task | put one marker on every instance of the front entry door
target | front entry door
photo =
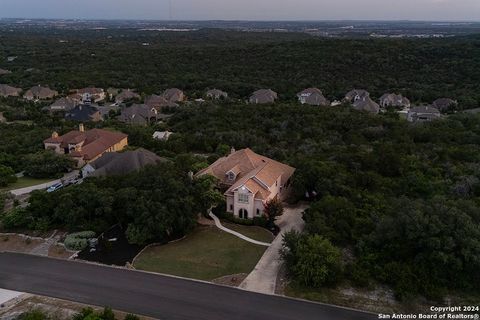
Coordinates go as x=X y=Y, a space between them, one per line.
x=243 y=214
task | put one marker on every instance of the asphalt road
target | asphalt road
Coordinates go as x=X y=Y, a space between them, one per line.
x=157 y=296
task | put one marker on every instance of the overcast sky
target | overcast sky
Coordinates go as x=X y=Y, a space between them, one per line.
x=245 y=9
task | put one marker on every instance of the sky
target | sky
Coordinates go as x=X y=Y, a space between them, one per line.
x=452 y=10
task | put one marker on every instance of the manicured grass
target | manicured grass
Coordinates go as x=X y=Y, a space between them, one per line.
x=205 y=254
x=253 y=232
x=24 y=182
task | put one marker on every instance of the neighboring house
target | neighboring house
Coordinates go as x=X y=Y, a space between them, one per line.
x=366 y=104
x=126 y=95
x=251 y=181
x=174 y=95
x=216 y=94
x=3 y=72
x=140 y=114
x=112 y=92
x=105 y=110
x=394 y=100
x=84 y=113
x=162 y=135
x=159 y=102
x=86 y=146
x=444 y=104
x=423 y=114
x=356 y=94
x=8 y=91
x=40 y=93
x=62 y=104
x=313 y=97
x=263 y=96
x=119 y=163
x=92 y=94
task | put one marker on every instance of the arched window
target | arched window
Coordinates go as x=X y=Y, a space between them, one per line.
x=243 y=213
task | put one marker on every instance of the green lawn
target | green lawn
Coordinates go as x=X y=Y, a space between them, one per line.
x=25 y=182
x=254 y=232
x=206 y=254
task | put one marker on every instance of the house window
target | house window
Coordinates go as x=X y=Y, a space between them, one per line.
x=258 y=212
x=243 y=197
x=231 y=207
x=231 y=176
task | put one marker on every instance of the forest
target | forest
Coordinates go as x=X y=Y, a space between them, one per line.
x=390 y=202
x=240 y=62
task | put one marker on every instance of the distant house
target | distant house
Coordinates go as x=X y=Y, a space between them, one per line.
x=126 y=95
x=92 y=94
x=112 y=92
x=313 y=97
x=263 y=96
x=62 y=104
x=119 y=163
x=423 y=114
x=174 y=95
x=105 y=110
x=4 y=72
x=40 y=93
x=444 y=104
x=356 y=94
x=216 y=94
x=139 y=114
x=162 y=135
x=159 y=102
x=84 y=113
x=251 y=181
x=8 y=91
x=366 y=104
x=86 y=146
x=394 y=100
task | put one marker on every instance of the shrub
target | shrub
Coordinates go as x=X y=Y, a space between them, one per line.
x=78 y=240
x=16 y=218
x=311 y=259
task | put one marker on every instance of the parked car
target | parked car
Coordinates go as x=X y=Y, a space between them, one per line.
x=55 y=187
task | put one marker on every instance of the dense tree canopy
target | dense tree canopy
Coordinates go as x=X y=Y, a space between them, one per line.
x=156 y=204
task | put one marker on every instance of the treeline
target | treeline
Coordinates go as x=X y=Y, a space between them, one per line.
x=422 y=69
x=159 y=203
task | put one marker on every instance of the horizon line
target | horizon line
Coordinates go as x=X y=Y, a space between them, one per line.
x=243 y=20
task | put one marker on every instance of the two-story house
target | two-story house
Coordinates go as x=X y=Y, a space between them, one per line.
x=86 y=146
x=250 y=181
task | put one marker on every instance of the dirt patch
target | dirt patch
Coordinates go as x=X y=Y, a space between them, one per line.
x=59 y=251
x=16 y=243
x=233 y=280
x=56 y=308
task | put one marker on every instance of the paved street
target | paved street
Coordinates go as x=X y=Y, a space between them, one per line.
x=152 y=295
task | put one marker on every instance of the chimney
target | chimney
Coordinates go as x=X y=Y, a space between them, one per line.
x=81 y=128
x=54 y=134
x=232 y=150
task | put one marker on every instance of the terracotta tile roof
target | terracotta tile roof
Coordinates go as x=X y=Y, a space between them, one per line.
x=40 y=93
x=95 y=141
x=254 y=171
x=6 y=90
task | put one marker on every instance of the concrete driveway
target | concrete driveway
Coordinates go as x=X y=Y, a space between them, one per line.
x=42 y=186
x=263 y=278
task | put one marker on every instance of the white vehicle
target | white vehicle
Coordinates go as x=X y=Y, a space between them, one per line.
x=55 y=187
